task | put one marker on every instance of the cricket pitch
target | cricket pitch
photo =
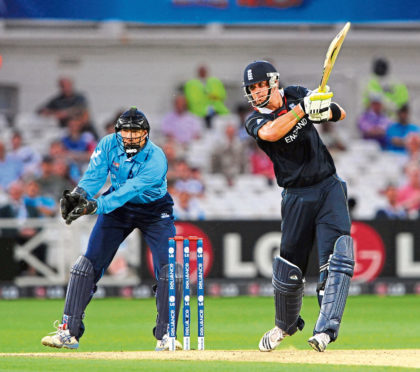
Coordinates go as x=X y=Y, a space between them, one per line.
x=409 y=358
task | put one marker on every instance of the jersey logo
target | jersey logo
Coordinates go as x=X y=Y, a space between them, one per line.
x=95 y=154
x=295 y=133
x=164 y=215
x=259 y=121
x=115 y=164
x=250 y=76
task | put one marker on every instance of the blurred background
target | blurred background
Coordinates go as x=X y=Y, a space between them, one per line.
x=68 y=69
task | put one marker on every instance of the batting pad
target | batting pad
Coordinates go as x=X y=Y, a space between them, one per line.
x=288 y=293
x=337 y=287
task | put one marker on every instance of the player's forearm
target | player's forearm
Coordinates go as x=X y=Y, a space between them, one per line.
x=278 y=128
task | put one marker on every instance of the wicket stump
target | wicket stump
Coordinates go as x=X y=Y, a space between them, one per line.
x=186 y=314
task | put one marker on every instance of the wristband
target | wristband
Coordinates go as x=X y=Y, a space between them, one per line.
x=295 y=115
x=335 y=111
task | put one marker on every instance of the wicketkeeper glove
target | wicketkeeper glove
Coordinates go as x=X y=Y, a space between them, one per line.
x=70 y=200
x=83 y=208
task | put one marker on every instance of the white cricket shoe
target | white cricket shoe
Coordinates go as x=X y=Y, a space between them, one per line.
x=271 y=339
x=163 y=344
x=319 y=342
x=60 y=338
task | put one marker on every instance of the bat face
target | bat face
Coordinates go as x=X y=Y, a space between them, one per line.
x=331 y=56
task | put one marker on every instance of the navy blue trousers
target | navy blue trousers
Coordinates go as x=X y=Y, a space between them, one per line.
x=315 y=215
x=155 y=221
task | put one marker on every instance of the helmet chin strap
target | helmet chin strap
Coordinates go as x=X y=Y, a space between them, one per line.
x=265 y=103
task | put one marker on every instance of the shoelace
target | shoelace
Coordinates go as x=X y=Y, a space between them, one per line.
x=56 y=325
x=60 y=332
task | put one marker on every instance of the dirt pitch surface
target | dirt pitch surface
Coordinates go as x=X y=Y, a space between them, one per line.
x=392 y=358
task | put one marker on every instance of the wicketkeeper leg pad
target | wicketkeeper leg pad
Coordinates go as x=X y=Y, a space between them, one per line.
x=162 y=304
x=340 y=271
x=79 y=291
x=288 y=293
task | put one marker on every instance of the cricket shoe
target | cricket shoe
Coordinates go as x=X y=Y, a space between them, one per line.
x=163 y=344
x=319 y=341
x=60 y=338
x=271 y=339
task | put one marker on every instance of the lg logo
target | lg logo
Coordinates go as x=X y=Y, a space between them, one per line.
x=369 y=249
x=369 y=252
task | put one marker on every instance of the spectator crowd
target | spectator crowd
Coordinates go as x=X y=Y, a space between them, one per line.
x=201 y=137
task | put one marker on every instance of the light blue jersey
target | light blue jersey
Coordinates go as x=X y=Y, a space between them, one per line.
x=140 y=179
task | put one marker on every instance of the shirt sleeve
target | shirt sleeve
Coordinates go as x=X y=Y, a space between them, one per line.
x=253 y=125
x=50 y=105
x=97 y=172
x=296 y=92
x=147 y=182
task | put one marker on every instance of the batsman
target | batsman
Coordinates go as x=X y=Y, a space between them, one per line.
x=314 y=204
x=137 y=198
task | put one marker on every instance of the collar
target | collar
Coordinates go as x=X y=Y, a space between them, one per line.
x=264 y=110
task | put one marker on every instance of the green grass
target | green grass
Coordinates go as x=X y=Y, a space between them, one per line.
x=231 y=324
x=13 y=364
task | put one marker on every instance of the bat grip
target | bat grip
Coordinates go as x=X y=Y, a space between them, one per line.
x=321 y=89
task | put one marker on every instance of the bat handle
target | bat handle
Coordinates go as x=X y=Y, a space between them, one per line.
x=321 y=89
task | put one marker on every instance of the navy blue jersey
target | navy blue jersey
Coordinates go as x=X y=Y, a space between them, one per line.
x=300 y=158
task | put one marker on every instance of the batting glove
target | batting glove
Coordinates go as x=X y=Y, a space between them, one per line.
x=326 y=90
x=324 y=112
x=324 y=115
x=316 y=105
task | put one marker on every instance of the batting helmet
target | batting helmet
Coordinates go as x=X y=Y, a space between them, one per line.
x=256 y=72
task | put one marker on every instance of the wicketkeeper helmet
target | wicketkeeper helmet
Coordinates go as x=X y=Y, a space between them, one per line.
x=132 y=120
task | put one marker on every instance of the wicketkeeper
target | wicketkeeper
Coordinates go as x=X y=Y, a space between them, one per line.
x=314 y=204
x=138 y=198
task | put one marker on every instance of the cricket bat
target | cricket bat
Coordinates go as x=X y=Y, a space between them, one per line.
x=331 y=56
